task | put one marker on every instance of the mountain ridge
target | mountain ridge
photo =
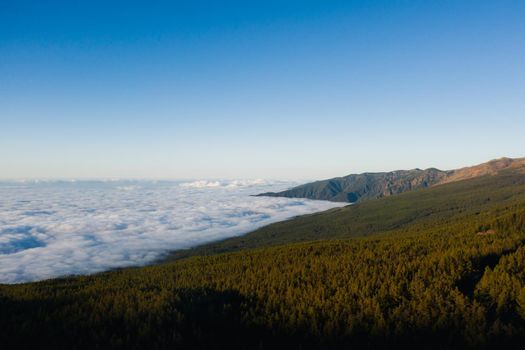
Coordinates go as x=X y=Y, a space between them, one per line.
x=355 y=188
x=398 y=272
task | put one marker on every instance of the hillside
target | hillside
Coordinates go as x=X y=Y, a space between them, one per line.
x=467 y=200
x=436 y=268
x=359 y=187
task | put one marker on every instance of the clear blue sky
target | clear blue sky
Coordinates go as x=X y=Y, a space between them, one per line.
x=257 y=89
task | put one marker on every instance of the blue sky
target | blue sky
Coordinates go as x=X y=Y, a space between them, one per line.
x=257 y=89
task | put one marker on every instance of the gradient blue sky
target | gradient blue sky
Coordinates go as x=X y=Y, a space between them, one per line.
x=257 y=89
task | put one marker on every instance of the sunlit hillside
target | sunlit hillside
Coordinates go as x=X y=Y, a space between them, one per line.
x=383 y=273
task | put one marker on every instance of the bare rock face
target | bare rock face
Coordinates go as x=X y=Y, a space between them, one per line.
x=490 y=168
x=358 y=187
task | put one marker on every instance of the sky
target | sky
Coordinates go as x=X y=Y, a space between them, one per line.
x=257 y=89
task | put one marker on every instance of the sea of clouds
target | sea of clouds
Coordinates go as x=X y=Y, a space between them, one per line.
x=57 y=228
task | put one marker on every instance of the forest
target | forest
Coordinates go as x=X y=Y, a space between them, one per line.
x=439 y=268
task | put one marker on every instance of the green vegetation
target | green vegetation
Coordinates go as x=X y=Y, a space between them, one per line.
x=437 y=268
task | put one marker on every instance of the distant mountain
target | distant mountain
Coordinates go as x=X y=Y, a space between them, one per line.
x=359 y=187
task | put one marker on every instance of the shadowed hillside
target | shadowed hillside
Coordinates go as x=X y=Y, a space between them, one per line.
x=359 y=187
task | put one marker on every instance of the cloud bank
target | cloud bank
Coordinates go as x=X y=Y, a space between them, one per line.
x=51 y=229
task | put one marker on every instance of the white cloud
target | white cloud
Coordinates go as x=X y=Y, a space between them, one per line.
x=50 y=229
x=228 y=183
x=201 y=184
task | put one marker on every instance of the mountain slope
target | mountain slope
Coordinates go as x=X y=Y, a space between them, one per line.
x=359 y=187
x=473 y=200
x=443 y=268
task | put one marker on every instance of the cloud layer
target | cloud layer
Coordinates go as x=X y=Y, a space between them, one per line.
x=53 y=229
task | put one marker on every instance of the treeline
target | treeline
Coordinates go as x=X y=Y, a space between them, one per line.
x=450 y=279
x=407 y=290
